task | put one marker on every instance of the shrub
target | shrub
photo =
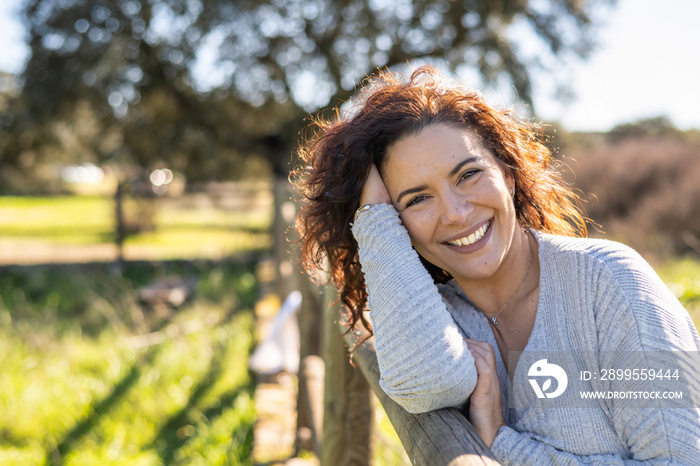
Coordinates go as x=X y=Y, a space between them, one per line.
x=643 y=191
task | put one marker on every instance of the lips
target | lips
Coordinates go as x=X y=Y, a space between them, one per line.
x=472 y=238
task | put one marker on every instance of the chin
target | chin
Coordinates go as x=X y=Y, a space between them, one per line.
x=484 y=269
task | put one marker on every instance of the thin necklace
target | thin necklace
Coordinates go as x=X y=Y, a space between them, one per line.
x=494 y=319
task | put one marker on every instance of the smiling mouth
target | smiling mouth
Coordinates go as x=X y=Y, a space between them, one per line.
x=471 y=239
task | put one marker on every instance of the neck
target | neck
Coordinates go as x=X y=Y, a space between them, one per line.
x=517 y=275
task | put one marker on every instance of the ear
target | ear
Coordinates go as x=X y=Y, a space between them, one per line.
x=510 y=181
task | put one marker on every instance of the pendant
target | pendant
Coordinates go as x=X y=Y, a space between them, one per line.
x=494 y=320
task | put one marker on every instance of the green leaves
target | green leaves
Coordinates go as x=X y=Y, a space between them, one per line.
x=203 y=86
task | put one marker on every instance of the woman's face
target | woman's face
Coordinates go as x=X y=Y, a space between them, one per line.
x=454 y=199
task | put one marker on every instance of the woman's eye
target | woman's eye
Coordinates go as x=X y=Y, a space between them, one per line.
x=416 y=200
x=468 y=174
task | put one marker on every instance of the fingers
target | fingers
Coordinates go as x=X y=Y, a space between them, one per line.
x=487 y=383
x=484 y=356
x=479 y=346
x=485 y=410
x=374 y=191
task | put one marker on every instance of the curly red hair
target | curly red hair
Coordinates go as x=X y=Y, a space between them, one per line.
x=336 y=159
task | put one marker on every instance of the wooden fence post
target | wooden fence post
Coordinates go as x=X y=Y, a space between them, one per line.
x=283 y=237
x=289 y=278
x=119 y=224
x=310 y=379
x=348 y=416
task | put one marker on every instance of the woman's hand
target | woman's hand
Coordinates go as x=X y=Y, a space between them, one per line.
x=374 y=191
x=485 y=407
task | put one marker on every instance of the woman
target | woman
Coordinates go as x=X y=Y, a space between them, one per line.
x=446 y=218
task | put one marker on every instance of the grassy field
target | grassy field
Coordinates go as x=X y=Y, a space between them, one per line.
x=82 y=228
x=89 y=376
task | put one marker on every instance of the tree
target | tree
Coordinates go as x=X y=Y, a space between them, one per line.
x=204 y=84
x=656 y=127
x=137 y=69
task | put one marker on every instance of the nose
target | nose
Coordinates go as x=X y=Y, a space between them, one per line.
x=456 y=209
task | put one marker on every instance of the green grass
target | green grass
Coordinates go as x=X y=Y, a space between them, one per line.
x=682 y=275
x=57 y=220
x=388 y=450
x=31 y=212
x=195 y=243
x=81 y=385
x=192 y=226
x=89 y=375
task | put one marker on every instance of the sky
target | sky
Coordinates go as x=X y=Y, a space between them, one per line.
x=647 y=64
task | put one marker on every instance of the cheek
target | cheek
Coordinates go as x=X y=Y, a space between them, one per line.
x=420 y=229
x=500 y=192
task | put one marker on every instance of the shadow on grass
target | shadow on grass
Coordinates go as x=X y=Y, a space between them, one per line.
x=53 y=301
x=173 y=434
x=100 y=409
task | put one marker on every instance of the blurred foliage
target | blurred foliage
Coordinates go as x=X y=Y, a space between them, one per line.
x=640 y=184
x=646 y=128
x=683 y=278
x=211 y=87
x=84 y=383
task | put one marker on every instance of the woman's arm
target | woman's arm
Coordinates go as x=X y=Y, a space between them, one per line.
x=513 y=448
x=423 y=360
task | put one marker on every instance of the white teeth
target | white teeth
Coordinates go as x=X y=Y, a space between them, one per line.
x=473 y=238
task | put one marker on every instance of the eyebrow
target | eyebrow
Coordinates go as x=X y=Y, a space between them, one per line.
x=464 y=162
x=417 y=189
x=452 y=173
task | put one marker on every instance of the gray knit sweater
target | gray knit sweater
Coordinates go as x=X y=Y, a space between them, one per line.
x=598 y=300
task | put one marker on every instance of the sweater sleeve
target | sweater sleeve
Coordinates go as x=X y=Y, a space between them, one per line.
x=639 y=324
x=513 y=448
x=423 y=360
